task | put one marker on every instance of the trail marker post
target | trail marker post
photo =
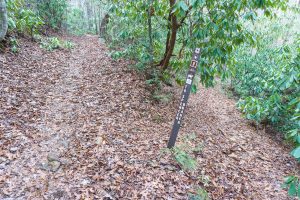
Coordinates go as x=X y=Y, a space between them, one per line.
x=184 y=98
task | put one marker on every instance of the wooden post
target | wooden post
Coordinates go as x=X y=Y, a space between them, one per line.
x=184 y=98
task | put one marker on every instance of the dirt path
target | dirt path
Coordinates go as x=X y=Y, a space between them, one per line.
x=77 y=125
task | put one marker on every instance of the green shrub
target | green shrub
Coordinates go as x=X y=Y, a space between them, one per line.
x=186 y=161
x=53 y=12
x=68 y=45
x=293 y=185
x=184 y=152
x=201 y=194
x=14 y=45
x=51 y=43
x=21 y=19
x=75 y=21
x=267 y=77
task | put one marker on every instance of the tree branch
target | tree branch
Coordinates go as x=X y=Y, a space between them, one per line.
x=185 y=16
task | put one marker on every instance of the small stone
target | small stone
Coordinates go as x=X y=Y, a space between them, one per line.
x=44 y=166
x=88 y=144
x=85 y=182
x=65 y=143
x=58 y=194
x=13 y=149
x=54 y=165
x=2 y=159
x=65 y=161
x=52 y=157
x=99 y=140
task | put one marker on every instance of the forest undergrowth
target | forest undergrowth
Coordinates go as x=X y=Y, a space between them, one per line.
x=89 y=118
x=76 y=124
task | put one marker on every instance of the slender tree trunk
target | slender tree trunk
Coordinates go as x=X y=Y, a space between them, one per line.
x=3 y=19
x=191 y=27
x=88 y=12
x=103 y=25
x=150 y=32
x=171 y=39
x=167 y=40
x=99 y=20
x=95 y=20
x=171 y=47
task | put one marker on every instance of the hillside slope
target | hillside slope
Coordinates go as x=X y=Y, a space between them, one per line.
x=78 y=125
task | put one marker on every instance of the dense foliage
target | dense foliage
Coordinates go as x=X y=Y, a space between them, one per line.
x=53 y=12
x=85 y=17
x=179 y=26
x=262 y=58
x=32 y=19
x=239 y=40
x=75 y=23
x=37 y=17
x=267 y=78
x=21 y=19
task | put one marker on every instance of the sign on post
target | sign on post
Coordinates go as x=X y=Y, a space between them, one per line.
x=184 y=98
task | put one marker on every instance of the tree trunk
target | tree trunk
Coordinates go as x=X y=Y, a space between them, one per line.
x=167 y=41
x=99 y=20
x=171 y=39
x=89 y=15
x=150 y=32
x=95 y=21
x=103 y=25
x=3 y=19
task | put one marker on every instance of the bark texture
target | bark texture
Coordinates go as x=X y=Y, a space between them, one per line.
x=171 y=38
x=103 y=25
x=3 y=19
x=150 y=12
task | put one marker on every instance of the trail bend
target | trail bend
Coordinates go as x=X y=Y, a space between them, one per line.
x=79 y=125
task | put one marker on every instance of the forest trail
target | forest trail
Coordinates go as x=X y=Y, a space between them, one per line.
x=78 y=125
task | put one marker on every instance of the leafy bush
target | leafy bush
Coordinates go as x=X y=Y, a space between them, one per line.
x=53 y=43
x=183 y=153
x=184 y=159
x=200 y=195
x=293 y=185
x=75 y=21
x=21 y=19
x=68 y=45
x=163 y=34
x=267 y=77
x=53 y=12
x=14 y=45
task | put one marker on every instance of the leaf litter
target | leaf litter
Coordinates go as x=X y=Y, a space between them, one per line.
x=79 y=125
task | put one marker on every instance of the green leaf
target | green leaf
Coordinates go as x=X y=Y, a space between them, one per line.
x=298 y=139
x=183 y=5
x=292 y=133
x=292 y=190
x=11 y=23
x=194 y=89
x=180 y=81
x=296 y=152
x=289 y=179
